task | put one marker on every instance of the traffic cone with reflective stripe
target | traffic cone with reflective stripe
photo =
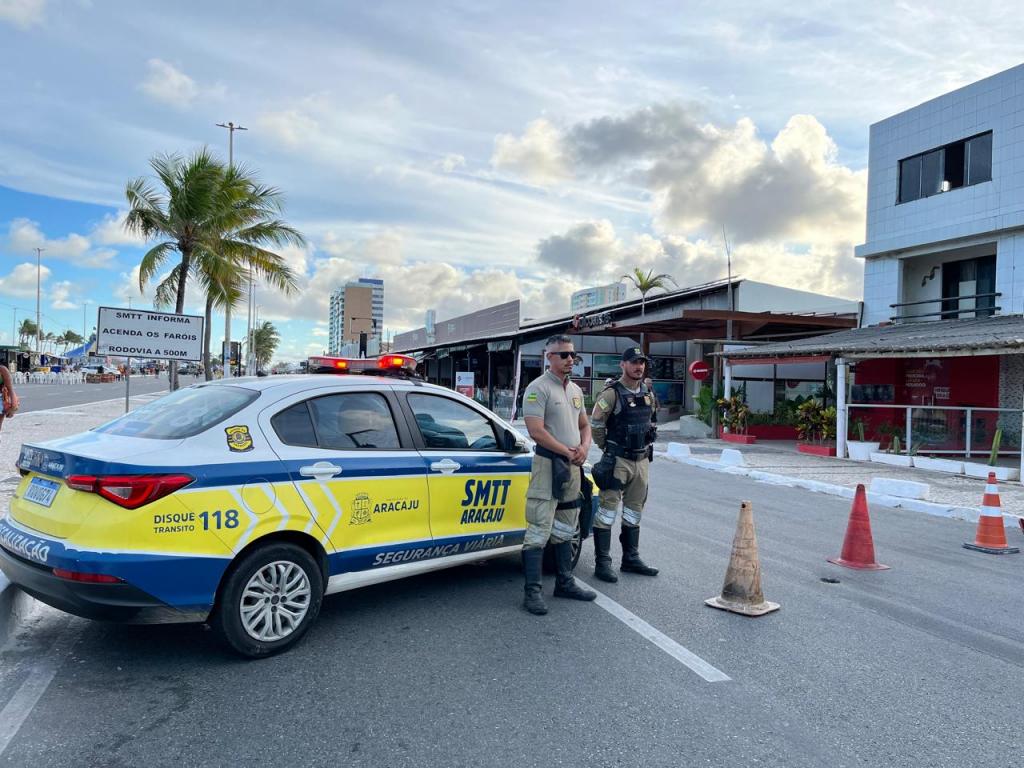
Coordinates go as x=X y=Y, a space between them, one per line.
x=991 y=535
x=741 y=592
x=859 y=545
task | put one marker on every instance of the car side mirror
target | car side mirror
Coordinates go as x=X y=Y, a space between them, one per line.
x=510 y=442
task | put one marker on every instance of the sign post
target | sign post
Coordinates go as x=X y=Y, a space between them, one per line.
x=142 y=333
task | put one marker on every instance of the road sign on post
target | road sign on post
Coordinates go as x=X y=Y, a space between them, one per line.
x=699 y=370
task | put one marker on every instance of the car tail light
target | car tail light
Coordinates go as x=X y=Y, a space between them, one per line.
x=86 y=578
x=129 y=491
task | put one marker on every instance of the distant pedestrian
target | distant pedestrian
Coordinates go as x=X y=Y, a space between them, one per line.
x=8 y=397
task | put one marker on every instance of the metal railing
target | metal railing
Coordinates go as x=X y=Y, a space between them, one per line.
x=941 y=429
x=943 y=314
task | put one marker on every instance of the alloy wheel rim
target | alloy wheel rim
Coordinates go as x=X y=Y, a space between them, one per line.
x=275 y=601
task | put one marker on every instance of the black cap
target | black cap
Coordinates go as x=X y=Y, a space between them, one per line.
x=633 y=353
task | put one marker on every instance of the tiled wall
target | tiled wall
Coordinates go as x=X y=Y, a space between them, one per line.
x=961 y=215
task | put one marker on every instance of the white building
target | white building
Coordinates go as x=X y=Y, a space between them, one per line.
x=597 y=297
x=946 y=206
x=365 y=300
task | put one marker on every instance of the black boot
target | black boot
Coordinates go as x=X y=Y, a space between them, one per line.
x=631 y=562
x=565 y=584
x=533 y=601
x=602 y=555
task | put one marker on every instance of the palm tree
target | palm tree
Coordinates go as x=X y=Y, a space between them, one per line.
x=647 y=282
x=265 y=339
x=26 y=331
x=208 y=214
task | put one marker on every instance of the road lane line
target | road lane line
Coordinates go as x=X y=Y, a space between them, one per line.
x=660 y=639
x=24 y=700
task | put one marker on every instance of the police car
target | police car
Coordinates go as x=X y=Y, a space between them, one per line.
x=243 y=502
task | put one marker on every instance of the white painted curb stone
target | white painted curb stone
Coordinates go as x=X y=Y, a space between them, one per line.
x=681 y=450
x=907 y=489
x=731 y=458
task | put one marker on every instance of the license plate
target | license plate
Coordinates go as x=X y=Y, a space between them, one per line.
x=42 y=491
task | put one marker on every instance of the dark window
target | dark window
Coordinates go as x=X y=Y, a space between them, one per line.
x=979 y=159
x=445 y=423
x=968 y=161
x=181 y=414
x=969 y=278
x=294 y=426
x=910 y=179
x=353 y=421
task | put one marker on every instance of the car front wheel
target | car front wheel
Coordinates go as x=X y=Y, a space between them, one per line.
x=269 y=600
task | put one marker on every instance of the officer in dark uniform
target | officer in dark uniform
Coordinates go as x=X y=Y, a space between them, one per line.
x=623 y=424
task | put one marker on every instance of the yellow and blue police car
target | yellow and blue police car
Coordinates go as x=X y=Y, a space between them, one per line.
x=243 y=502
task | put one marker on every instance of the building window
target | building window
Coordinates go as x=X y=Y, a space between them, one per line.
x=959 y=164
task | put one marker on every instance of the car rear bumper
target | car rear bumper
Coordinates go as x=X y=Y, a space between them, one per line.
x=120 y=602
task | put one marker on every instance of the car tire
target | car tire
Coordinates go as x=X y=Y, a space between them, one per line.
x=577 y=549
x=268 y=600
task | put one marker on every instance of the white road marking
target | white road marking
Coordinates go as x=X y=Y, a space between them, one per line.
x=24 y=700
x=660 y=639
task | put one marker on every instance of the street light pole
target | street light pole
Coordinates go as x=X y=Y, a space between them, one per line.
x=226 y=351
x=39 y=272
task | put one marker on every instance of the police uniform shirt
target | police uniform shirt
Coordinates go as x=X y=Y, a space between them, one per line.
x=560 y=407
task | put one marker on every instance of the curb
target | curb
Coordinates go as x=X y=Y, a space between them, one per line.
x=969 y=514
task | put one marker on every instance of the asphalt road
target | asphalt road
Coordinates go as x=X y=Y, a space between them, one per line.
x=39 y=397
x=922 y=665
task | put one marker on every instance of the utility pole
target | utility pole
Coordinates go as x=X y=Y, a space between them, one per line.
x=231 y=128
x=39 y=271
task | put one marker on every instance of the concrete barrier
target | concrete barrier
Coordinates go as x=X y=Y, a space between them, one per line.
x=681 y=450
x=907 y=489
x=731 y=458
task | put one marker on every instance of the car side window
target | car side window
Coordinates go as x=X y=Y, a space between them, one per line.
x=294 y=426
x=353 y=420
x=445 y=423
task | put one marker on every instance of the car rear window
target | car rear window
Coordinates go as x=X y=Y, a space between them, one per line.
x=180 y=414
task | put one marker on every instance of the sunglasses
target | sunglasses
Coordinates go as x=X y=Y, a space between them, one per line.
x=563 y=355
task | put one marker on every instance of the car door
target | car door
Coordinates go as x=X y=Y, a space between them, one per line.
x=358 y=472
x=477 y=487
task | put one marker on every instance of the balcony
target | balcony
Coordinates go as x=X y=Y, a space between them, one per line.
x=961 y=307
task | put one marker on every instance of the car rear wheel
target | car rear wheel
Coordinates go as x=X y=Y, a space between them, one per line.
x=269 y=600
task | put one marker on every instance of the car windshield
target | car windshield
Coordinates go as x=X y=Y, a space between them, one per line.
x=181 y=414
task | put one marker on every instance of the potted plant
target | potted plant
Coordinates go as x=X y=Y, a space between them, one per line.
x=860 y=449
x=735 y=414
x=976 y=469
x=816 y=427
x=893 y=455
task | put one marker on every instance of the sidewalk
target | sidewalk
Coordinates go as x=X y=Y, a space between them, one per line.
x=949 y=490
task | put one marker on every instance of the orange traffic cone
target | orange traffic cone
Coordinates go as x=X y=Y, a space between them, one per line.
x=741 y=592
x=991 y=535
x=859 y=545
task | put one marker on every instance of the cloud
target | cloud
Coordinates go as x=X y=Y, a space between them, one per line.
x=585 y=250
x=701 y=176
x=22 y=13
x=24 y=236
x=21 y=281
x=167 y=84
x=111 y=231
x=60 y=296
x=538 y=155
x=451 y=162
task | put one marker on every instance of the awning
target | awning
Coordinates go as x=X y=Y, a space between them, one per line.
x=776 y=360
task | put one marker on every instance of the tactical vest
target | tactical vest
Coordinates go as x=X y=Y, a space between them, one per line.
x=629 y=425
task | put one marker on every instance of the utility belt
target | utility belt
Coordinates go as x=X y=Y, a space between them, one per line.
x=617 y=451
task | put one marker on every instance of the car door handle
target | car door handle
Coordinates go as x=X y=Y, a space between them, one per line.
x=445 y=467
x=320 y=470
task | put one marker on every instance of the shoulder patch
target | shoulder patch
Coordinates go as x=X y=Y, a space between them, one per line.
x=531 y=397
x=603 y=404
x=577 y=402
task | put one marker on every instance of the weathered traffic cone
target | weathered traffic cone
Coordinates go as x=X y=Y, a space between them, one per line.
x=859 y=545
x=991 y=535
x=741 y=592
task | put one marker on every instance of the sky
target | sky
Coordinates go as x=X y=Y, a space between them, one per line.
x=468 y=153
